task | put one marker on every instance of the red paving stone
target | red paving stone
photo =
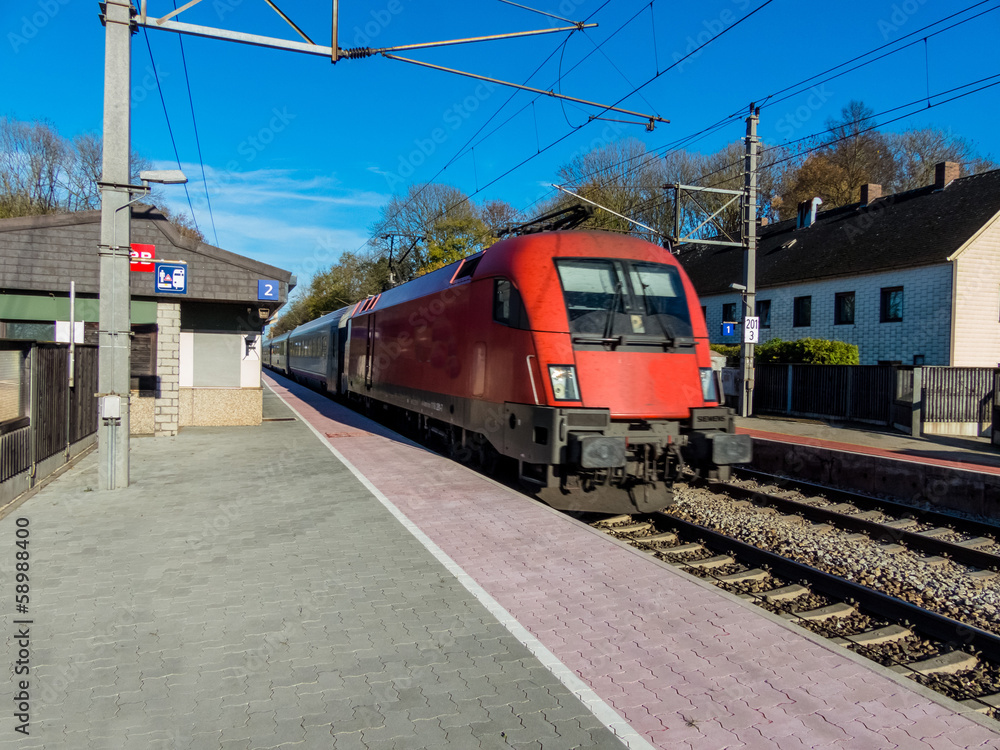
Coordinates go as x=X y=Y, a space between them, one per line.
x=686 y=666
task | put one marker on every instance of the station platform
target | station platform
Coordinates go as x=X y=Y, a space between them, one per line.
x=952 y=451
x=320 y=582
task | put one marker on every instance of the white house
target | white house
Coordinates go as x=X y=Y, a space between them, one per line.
x=912 y=278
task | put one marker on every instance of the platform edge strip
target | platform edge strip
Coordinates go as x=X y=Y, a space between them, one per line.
x=604 y=713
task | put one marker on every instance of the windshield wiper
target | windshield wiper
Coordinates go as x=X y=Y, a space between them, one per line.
x=609 y=321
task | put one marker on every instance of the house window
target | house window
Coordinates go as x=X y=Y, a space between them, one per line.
x=802 y=312
x=764 y=312
x=843 y=309
x=704 y=313
x=892 y=304
x=729 y=312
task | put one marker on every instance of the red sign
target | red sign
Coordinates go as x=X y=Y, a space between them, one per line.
x=142 y=257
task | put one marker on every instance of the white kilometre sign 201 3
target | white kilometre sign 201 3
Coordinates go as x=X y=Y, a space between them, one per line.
x=751 y=329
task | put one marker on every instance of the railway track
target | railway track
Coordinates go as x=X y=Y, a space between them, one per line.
x=938 y=535
x=947 y=654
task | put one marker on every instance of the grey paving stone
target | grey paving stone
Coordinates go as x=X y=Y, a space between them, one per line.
x=314 y=622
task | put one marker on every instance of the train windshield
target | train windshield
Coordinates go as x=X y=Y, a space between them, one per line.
x=621 y=302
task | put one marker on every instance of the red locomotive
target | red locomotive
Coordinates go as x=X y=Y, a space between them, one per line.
x=582 y=355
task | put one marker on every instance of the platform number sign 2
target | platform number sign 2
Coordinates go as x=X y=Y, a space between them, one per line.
x=267 y=289
x=751 y=330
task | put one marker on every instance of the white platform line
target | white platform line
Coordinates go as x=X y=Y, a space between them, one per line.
x=604 y=713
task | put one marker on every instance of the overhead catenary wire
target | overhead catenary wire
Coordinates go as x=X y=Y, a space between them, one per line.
x=770 y=100
x=827 y=144
x=874 y=126
x=635 y=90
x=776 y=97
x=197 y=140
x=472 y=138
x=166 y=116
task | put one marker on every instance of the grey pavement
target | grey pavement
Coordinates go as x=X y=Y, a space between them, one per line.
x=247 y=591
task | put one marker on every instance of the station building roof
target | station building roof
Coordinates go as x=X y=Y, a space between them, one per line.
x=45 y=253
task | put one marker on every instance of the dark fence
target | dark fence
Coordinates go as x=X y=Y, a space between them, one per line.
x=902 y=402
x=995 y=427
x=958 y=394
x=15 y=448
x=48 y=413
x=43 y=415
x=770 y=393
x=860 y=393
x=882 y=394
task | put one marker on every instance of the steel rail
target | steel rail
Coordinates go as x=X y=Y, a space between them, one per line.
x=913 y=539
x=929 y=624
x=939 y=517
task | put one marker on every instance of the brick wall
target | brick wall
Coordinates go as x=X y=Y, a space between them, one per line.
x=166 y=415
x=925 y=328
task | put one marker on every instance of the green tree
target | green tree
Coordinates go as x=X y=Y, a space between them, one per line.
x=433 y=225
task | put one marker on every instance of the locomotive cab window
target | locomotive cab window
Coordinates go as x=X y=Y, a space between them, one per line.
x=508 y=307
x=628 y=303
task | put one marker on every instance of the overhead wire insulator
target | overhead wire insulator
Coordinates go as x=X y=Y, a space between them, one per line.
x=356 y=53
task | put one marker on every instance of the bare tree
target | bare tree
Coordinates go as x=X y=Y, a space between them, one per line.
x=83 y=172
x=42 y=172
x=622 y=176
x=32 y=156
x=428 y=224
x=917 y=151
x=855 y=152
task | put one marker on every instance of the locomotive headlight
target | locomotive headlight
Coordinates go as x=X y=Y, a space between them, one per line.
x=564 y=385
x=708 y=389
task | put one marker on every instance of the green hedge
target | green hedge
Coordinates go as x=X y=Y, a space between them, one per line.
x=803 y=351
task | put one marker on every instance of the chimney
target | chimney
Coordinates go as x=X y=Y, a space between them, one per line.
x=869 y=192
x=945 y=172
x=807 y=213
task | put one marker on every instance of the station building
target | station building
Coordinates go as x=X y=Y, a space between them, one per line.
x=910 y=278
x=196 y=343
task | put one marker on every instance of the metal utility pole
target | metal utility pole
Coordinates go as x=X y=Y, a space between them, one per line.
x=750 y=260
x=114 y=336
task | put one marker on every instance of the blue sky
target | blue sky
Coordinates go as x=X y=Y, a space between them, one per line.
x=299 y=154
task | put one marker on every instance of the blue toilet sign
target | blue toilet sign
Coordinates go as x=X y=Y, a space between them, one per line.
x=171 y=278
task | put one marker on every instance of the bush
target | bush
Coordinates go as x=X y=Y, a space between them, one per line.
x=730 y=351
x=801 y=352
x=807 y=352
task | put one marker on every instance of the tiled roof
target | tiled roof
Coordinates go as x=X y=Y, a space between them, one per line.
x=44 y=253
x=915 y=228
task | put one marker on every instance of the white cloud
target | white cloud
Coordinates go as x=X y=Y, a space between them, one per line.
x=298 y=222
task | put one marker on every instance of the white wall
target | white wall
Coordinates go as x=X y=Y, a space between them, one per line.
x=925 y=328
x=977 y=301
x=187 y=359
x=250 y=365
